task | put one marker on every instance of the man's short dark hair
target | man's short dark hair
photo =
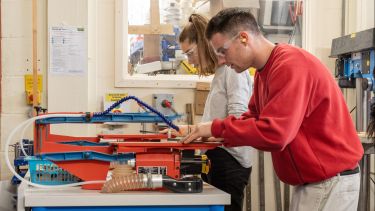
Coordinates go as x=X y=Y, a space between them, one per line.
x=231 y=21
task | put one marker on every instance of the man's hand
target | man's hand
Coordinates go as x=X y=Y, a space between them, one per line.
x=184 y=130
x=202 y=130
x=213 y=139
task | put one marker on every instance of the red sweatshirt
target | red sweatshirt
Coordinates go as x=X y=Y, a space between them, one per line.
x=298 y=113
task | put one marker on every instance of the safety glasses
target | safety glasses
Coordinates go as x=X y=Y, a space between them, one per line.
x=223 y=50
x=190 y=52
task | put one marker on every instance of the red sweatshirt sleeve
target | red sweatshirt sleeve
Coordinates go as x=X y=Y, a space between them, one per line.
x=282 y=96
x=251 y=110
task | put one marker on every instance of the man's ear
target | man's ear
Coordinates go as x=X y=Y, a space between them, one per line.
x=244 y=37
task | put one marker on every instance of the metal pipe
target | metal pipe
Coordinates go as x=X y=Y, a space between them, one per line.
x=363 y=100
x=343 y=10
x=359 y=105
x=363 y=201
x=35 y=54
x=366 y=108
x=367 y=172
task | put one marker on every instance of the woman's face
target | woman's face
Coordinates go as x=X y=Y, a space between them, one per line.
x=191 y=51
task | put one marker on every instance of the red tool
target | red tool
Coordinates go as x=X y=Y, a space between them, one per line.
x=151 y=151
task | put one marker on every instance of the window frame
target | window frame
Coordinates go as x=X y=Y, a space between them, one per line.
x=124 y=79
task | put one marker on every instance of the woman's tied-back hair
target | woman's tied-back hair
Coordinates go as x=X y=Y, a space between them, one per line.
x=193 y=32
x=232 y=20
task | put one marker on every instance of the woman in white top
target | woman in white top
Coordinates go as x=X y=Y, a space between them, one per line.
x=229 y=95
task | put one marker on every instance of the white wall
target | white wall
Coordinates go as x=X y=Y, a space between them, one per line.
x=66 y=92
x=84 y=93
x=16 y=49
x=324 y=18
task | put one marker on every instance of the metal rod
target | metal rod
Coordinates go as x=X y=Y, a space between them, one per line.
x=262 y=204
x=343 y=11
x=363 y=197
x=276 y=182
x=286 y=197
x=368 y=193
x=35 y=56
x=359 y=105
x=248 y=195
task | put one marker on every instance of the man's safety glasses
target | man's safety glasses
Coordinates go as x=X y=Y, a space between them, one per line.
x=223 y=50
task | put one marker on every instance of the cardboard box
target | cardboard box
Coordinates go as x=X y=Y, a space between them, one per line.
x=201 y=94
x=203 y=86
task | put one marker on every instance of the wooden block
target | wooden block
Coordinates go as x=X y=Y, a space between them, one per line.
x=203 y=86
x=200 y=101
x=190 y=114
x=151 y=29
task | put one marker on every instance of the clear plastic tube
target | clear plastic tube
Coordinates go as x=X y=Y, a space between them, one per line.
x=9 y=165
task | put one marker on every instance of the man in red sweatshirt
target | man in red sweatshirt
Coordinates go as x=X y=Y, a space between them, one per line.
x=297 y=112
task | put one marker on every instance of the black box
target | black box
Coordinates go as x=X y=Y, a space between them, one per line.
x=355 y=42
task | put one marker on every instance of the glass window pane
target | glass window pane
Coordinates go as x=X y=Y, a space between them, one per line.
x=139 y=12
x=279 y=20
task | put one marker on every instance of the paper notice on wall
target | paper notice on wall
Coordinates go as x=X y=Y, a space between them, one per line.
x=111 y=98
x=67 y=50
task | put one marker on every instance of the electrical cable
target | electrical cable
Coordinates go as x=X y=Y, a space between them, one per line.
x=9 y=165
x=291 y=36
x=373 y=181
x=198 y=6
x=295 y=11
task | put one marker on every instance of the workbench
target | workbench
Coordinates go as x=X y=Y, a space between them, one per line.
x=77 y=199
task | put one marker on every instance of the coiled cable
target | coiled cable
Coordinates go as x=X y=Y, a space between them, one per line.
x=169 y=123
x=9 y=165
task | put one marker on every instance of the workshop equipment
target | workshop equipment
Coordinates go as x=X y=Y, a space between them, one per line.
x=355 y=66
x=89 y=158
x=192 y=184
x=355 y=55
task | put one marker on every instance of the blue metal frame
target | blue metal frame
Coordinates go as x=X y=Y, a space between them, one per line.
x=86 y=155
x=145 y=117
x=353 y=66
x=84 y=143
